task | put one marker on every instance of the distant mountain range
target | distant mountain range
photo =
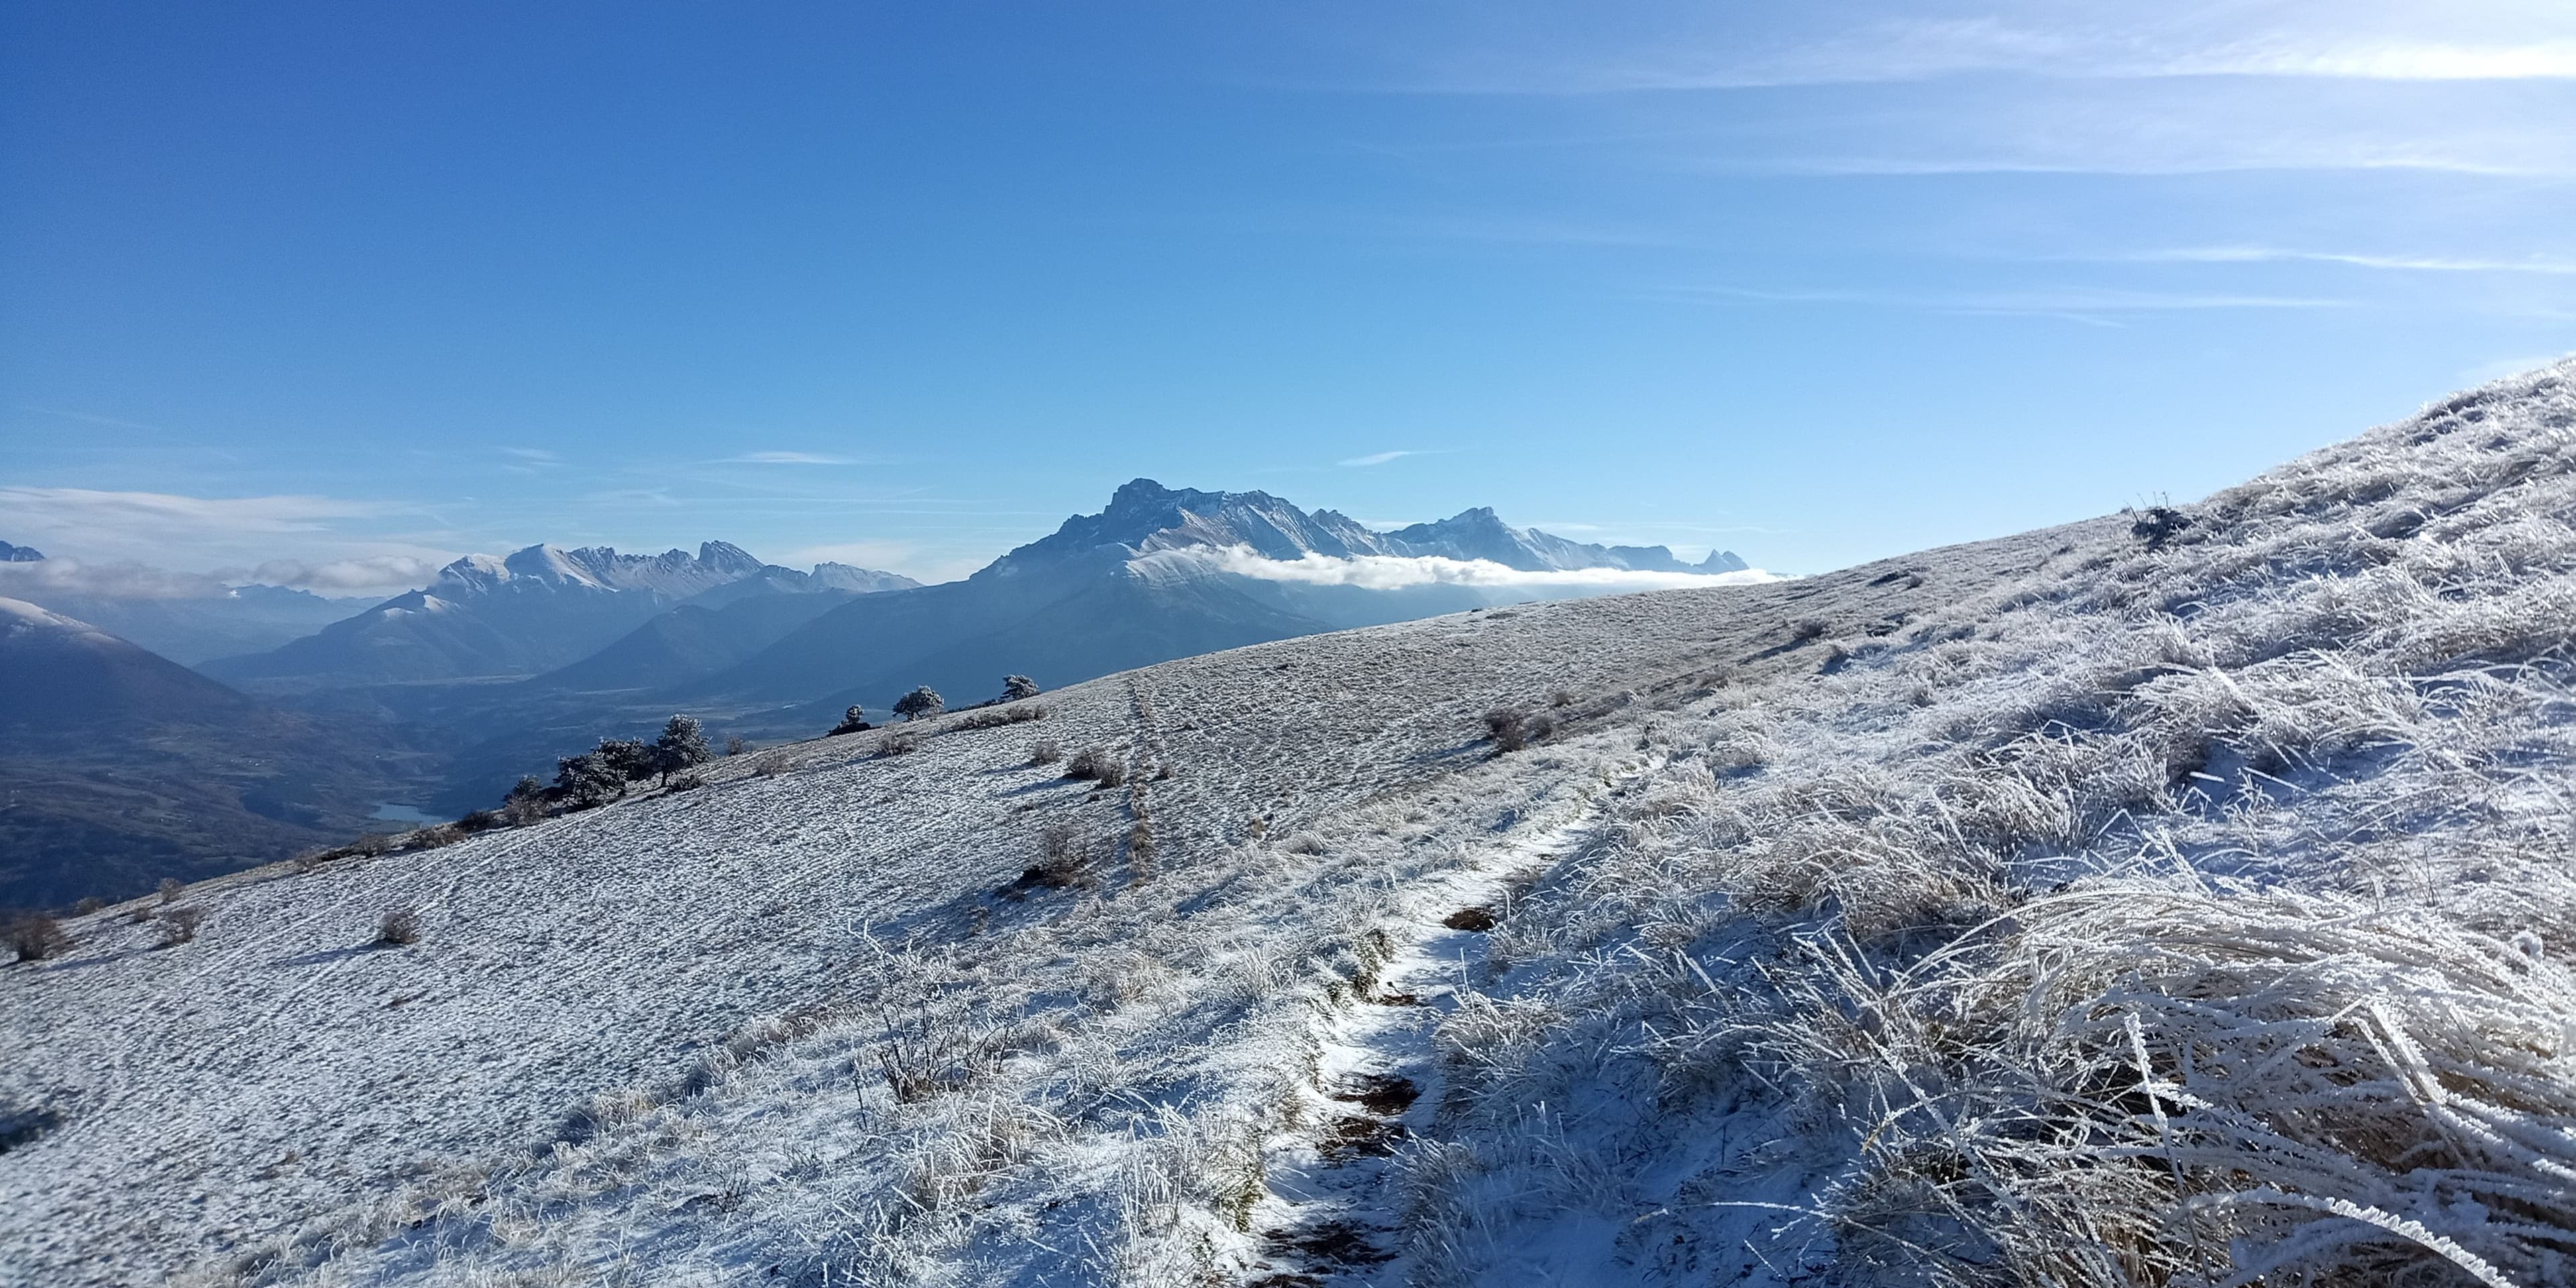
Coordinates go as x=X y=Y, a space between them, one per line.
x=537 y=609
x=502 y=664
x=1086 y=600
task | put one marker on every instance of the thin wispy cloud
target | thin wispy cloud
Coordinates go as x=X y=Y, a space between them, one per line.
x=2401 y=263
x=2054 y=301
x=362 y=573
x=62 y=508
x=1716 y=50
x=1380 y=458
x=88 y=418
x=785 y=458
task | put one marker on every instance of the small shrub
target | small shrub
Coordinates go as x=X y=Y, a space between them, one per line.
x=525 y=803
x=89 y=905
x=853 y=720
x=481 y=820
x=35 y=937
x=1562 y=698
x=899 y=742
x=1538 y=728
x=2159 y=526
x=1504 y=726
x=1141 y=850
x=434 y=837
x=736 y=744
x=1064 y=860
x=1096 y=764
x=170 y=888
x=400 y=926
x=920 y=704
x=1045 y=752
x=1809 y=628
x=366 y=846
x=686 y=783
x=179 y=924
x=996 y=717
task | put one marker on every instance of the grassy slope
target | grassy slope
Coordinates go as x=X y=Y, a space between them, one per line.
x=2057 y=888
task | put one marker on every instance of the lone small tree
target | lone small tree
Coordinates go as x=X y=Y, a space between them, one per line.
x=630 y=758
x=683 y=745
x=526 y=802
x=852 y=721
x=588 y=780
x=919 y=703
x=1016 y=687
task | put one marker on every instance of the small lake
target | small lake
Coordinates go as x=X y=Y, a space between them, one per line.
x=395 y=812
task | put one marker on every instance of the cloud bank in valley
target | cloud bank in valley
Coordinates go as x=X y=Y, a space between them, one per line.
x=1397 y=572
x=363 y=577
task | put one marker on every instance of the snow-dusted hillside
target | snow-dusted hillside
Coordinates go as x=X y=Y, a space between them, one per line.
x=2128 y=902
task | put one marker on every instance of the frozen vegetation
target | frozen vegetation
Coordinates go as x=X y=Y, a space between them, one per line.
x=2170 y=898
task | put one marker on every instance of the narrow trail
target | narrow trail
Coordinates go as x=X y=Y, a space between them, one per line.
x=1334 y=1214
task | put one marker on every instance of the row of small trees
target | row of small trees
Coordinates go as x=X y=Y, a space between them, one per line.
x=601 y=774
x=925 y=702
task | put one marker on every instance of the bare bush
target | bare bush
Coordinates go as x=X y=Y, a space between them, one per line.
x=88 y=905
x=1504 y=728
x=171 y=888
x=997 y=717
x=2159 y=526
x=435 y=836
x=400 y=926
x=736 y=744
x=1809 y=628
x=35 y=937
x=899 y=742
x=1064 y=859
x=179 y=924
x=686 y=783
x=1045 y=751
x=1098 y=765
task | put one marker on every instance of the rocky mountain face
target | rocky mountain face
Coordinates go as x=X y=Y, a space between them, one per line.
x=18 y=554
x=1086 y=600
x=1143 y=517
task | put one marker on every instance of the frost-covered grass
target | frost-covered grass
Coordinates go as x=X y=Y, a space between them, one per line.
x=2045 y=910
x=2197 y=916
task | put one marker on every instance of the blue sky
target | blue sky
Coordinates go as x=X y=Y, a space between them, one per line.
x=346 y=290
